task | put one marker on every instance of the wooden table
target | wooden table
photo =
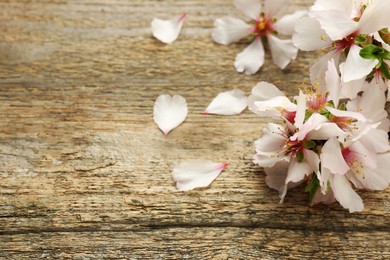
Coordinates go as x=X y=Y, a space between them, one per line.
x=86 y=174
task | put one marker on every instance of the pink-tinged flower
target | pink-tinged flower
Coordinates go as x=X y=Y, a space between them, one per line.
x=352 y=163
x=169 y=112
x=192 y=174
x=264 y=23
x=340 y=25
x=231 y=102
x=167 y=31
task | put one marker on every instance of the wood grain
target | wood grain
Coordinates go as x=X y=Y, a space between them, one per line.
x=86 y=174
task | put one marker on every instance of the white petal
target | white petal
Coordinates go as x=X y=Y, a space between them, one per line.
x=286 y=24
x=345 y=195
x=231 y=102
x=272 y=139
x=356 y=67
x=262 y=91
x=312 y=159
x=324 y=176
x=376 y=140
x=276 y=176
x=375 y=17
x=333 y=84
x=332 y=158
x=312 y=123
x=373 y=99
x=297 y=171
x=318 y=69
x=192 y=174
x=343 y=113
x=251 y=58
x=352 y=88
x=309 y=36
x=250 y=8
x=335 y=23
x=272 y=106
x=301 y=110
x=169 y=112
x=344 y=6
x=274 y=8
x=167 y=31
x=282 y=51
x=368 y=158
x=326 y=130
x=228 y=30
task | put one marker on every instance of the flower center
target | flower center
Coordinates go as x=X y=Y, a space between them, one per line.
x=316 y=101
x=263 y=26
x=346 y=42
x=352 y=160
x=345 y=123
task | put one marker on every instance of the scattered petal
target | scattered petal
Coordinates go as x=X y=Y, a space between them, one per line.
x=169 y=112
x=167 y=31
x=231 y=102
x=192 y=174
x=251 y=58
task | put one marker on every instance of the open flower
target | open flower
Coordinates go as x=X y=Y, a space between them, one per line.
x=264 y=23
x=345 y=27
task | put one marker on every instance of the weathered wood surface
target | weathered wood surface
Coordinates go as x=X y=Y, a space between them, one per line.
x=86 y=174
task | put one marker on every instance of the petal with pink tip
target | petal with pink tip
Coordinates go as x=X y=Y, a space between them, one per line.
x=169 y=112
x=228 y=30
x=332 y=158
x=251 y=58
x=250 y=8
x=345 y=195
x=231 y=102
x=192 y=174
x=282 y=51
x=167 y=31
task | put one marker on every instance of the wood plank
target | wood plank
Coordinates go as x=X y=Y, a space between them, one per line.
x=84 y=171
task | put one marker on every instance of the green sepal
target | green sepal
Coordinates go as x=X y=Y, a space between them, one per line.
x=312 y=187
x=372 y=52
x=300 y=156
x=385 y=35
x=384 y=68
x=309 y=144
x=342 y=107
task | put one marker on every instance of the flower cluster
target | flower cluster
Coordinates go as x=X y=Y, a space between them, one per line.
x=334 y=135
x=327 y=146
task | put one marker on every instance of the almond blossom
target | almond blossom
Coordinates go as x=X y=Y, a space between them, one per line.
x=264 y=22
x=331 y=149
x=347 y=29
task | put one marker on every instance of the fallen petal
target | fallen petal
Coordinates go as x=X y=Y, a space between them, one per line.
x=231 y=102
x=192 y=174
x=167 y=31
x=169 y=112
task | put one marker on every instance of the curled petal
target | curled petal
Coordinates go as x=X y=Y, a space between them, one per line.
x=167 y=31
x=251 y=58
x=309 y=36
x=169 y=112
x=231 y=102
x=192 y=174
x=262 y=91
x=273 y=106
x=228 y=30
x=282 y=51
